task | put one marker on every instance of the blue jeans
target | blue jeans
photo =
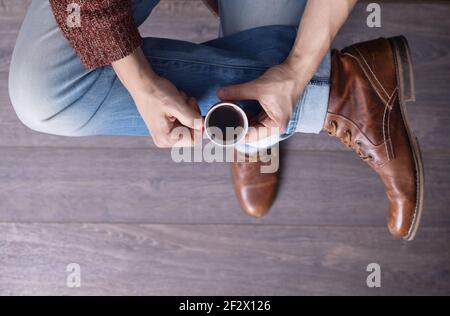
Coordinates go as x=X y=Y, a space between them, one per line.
x=52 y=92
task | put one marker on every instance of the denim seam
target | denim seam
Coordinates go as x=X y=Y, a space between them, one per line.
x=326 y=106
x=295 y=120
x=316 y=81
x=320 y=83
x=302 y=106
x=209 y=64
x=293 y=124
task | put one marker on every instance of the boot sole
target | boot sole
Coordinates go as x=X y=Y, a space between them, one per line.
x=405 y=81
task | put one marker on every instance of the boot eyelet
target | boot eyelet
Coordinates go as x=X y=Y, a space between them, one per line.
x=371 y=157
x=332 y=130
x=358 y=142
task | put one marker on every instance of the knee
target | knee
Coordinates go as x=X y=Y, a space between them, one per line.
x=24 y=99
x=33 y=99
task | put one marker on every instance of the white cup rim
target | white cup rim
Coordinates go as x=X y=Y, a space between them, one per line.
x=237 y=108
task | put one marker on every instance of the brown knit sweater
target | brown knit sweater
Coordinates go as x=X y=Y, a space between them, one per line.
x=107 y=32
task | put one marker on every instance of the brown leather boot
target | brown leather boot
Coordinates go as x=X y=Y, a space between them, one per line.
x=371 y=82
x=255 y=190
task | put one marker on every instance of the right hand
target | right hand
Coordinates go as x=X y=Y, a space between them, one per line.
x=166 y=111
x=172 y=118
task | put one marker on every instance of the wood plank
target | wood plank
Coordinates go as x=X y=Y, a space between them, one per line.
x=429 y=40
x=219 y=260
x=180 y=19
x=145 y=186
x=12 y=13
x=10 y=7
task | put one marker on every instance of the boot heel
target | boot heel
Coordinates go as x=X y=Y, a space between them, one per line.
x=404 y=68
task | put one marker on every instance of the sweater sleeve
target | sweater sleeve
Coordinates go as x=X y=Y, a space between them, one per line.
x=106 y=31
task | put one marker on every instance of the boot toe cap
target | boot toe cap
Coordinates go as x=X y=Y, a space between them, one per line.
x=256 y=202
x=401 y=219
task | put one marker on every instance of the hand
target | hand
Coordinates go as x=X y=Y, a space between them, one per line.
x=166 y=110
x=172 y=118
x=278 y=91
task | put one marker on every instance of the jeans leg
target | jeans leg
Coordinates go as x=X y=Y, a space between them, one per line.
x=241 y=15
x=310 y=112
x=313 y=106
x=50 y=90
x=142 y=10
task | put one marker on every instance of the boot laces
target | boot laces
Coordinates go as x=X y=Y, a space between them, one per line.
x=347 y=141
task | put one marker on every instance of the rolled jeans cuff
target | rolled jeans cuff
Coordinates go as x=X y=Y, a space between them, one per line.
x=313 y=107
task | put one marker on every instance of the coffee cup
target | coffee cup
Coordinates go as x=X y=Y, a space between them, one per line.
x=226 y=124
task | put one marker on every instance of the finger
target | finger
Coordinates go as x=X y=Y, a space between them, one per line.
x=192 y=102
x=187 y=115
x=160 y=130
x=270 y=122
x=184 y=96
x=246 y=91
x=181 y=136
x=284 y=125
x=198 y=136
x=259 y=131
x=171 y=118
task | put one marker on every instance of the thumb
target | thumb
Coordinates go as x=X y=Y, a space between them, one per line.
x=245 y=91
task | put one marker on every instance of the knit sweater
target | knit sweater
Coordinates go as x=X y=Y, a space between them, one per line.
x=106 y=32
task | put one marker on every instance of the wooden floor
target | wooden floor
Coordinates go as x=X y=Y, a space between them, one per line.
x=137 y=223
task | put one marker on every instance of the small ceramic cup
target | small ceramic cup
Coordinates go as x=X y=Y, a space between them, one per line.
x=226 y=124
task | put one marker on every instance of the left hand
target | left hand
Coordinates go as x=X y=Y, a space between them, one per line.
x=278 y=91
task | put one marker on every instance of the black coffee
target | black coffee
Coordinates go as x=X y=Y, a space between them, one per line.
x=226 y=117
